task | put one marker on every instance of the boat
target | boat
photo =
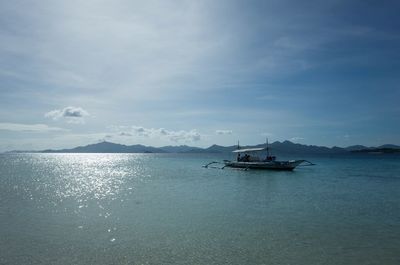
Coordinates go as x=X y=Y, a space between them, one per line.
x=251 y=158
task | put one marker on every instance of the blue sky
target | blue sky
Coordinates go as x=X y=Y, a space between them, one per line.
x=198 y=72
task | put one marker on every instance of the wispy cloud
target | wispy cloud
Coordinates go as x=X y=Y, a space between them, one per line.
x=296 y=139
x=18 y=127
x=123 y=134
x=185 y=136
x=223 y=132
x=70 y=114
x=171 y=135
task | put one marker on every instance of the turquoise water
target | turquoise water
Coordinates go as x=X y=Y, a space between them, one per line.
x=167 y=209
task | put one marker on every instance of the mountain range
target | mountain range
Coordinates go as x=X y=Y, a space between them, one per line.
x=285 y=147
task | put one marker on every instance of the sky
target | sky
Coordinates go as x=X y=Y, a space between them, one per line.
x=198 y=72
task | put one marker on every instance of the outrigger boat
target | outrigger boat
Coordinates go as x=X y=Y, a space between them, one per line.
x=250 y=159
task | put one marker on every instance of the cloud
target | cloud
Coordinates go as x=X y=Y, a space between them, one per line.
x=223 y=132
x=296 y=138
x=175 y=136
x=70 y=113
x=18 y=127
x=124 y=134
x=141 y=131
x=186 y=136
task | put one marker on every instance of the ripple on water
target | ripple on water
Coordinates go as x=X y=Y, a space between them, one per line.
x=167 y=209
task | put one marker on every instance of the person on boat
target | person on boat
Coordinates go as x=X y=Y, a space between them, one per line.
x=238 y=157
x=270 y=158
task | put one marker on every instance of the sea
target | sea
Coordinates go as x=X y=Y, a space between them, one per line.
x=168 y=209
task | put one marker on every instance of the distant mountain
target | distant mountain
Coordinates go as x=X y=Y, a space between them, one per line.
x=181 y=149
x=389 y=146
x=379 y=150
x=107 y=147
x=20 y=152
x=220 y=149
x=386 y=148
x=355 y=147
x=292 y=148
x=276 y=148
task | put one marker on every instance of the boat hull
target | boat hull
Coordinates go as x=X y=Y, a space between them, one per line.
x=270 y=165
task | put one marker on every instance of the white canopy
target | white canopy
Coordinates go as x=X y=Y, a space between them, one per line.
x=248 y=150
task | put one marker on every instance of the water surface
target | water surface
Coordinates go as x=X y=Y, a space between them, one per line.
x=167 y=209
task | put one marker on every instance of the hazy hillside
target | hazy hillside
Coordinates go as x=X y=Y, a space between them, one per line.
x=276 y=148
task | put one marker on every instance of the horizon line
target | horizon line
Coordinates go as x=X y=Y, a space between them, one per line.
x=203 y=148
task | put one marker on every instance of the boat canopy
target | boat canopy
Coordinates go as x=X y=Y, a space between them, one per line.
x=249 y=150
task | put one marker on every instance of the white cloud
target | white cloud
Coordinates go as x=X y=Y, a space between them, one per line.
x=295 y=139
x=223 y=132
x=138 y=130
x=123 y=134
x=18 y=127
x=175 y=136
x=185 y=136
x=70 y=113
